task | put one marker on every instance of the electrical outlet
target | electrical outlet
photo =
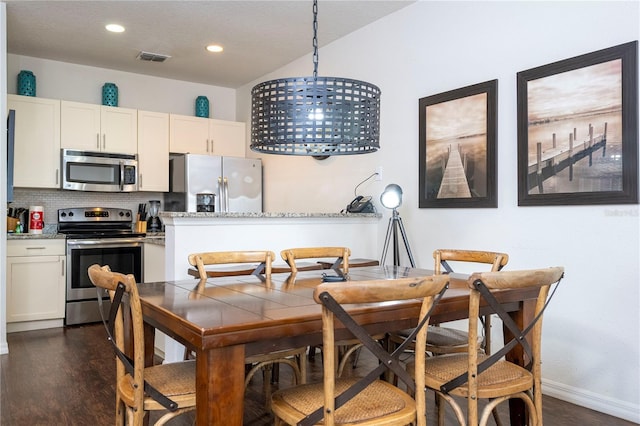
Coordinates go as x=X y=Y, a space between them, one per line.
x=378 y=173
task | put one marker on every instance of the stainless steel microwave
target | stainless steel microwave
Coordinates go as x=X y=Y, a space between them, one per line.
x=99 y=171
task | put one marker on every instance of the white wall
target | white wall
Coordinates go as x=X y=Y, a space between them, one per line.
x=591 y=341
x=80 y=83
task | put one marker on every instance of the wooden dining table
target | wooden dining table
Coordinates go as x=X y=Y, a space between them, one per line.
x=225 y=319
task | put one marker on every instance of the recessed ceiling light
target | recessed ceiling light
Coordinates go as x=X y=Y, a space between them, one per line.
x=215 y=48
x=115 y=28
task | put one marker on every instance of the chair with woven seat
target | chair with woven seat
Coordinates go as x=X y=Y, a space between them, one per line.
x=474 y=375
x=443 y=340
x=140 y=389
x=262 y=265
x=338 y=258
x=366 y=400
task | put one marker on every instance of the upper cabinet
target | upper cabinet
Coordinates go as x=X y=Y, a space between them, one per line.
x=89 y=127
x=198 y=135
x=37 y=142
x=153 y=151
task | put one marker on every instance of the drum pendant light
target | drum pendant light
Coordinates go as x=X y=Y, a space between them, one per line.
x=315 y=116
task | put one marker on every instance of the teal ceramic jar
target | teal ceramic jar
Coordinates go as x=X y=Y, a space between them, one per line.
x=202 y=107
x=26 y=83
x=110 y=94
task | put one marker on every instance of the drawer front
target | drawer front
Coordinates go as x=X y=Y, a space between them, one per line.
x=36 y=247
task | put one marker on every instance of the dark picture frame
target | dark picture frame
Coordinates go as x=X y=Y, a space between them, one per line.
x=457 y=147
x=578 y=130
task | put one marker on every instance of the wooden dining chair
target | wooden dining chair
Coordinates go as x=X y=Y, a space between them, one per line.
x=364 y=400
x=443 y=340
x=338 y=258
x=474 y=375
x=261 y=262
x=140 y=389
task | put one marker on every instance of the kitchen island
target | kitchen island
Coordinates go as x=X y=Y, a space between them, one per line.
x=187 y=233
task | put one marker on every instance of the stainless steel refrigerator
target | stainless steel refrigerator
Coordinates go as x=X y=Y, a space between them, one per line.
x=208 y=183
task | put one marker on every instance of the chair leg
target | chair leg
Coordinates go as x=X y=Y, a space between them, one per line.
x=312 y=353
x=275 y=374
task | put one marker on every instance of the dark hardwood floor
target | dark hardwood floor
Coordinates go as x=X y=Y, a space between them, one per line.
x=65 y=376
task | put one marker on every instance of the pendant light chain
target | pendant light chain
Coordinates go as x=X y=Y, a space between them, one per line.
x=315 y=116
x=315 y=39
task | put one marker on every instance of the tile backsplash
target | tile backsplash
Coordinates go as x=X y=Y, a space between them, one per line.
x=53 y=199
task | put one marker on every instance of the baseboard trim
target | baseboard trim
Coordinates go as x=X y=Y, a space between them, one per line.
x=613 y=407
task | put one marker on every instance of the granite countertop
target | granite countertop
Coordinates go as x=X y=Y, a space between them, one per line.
x=269 y=215
x=151 y=237
x=27 y=236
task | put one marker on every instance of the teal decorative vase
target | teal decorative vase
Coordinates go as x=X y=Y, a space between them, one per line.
x=110 y=94
x=202 y=107
x=26 y=83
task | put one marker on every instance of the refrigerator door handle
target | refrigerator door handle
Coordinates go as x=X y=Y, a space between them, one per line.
x=226 y=195
x=221 y=194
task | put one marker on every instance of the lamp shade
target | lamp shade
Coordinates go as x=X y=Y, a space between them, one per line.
x=391 y=197
x=315 y=116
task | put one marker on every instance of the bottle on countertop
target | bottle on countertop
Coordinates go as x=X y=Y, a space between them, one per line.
x=18 y=229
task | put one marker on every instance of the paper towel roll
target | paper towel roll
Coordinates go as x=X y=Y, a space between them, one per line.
x=36 y=219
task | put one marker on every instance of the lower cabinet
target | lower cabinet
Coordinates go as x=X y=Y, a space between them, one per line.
x=35 y=284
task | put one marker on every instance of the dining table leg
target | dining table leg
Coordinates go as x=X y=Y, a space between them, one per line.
x=220 y=386
x=522 y=317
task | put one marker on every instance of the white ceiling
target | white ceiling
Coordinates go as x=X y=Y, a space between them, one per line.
x=258 y=36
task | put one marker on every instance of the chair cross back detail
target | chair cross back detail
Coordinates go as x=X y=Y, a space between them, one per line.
x=332 y=297
x=483 y=283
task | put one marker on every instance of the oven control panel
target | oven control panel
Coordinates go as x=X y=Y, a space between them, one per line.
x=94 y=214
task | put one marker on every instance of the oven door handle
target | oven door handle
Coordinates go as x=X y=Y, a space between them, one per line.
x=106 y=242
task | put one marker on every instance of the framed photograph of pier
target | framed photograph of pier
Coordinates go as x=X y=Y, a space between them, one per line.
x=457 y=147
x=578 y=130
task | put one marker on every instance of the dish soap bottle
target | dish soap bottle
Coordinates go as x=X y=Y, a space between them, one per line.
x=18 y=229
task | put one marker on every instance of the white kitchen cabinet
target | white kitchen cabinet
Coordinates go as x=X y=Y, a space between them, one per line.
x=90 y=127
x=228 y=138
x=35 y=284
x=153 y=151
x=37 y=142
x=154 y=262
x=197 y=135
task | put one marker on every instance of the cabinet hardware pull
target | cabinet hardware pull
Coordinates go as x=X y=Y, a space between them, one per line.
x=57 y=176
x=36 y=248
x=98 y=141
x=104 y=141
x=62 y=271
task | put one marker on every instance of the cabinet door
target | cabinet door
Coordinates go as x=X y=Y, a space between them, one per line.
x=80 y=126
x=228 y=138
x=37 y=142
x=35 y=288
x=154 y=262
x=153 y=151
x=119 y=128
x=189 y=134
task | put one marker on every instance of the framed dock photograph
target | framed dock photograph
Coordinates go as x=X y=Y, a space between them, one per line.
x=578 y=130
x=457 y=147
